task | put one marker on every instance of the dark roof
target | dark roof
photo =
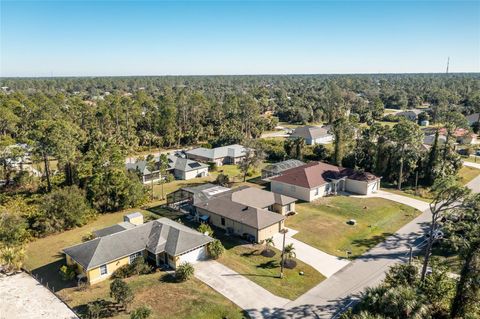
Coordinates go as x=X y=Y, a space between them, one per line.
x=283 y=166
x=316 y=174
x=254 y=217
x=108 y=230
x=156 y=236
x=309 y=132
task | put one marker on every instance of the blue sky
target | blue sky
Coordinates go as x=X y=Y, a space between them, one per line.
x=81 y=38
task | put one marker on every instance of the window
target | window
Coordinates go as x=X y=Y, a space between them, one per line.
x=289 y=207
x=103 y=270
x=135 y=256
x=223 y=221
x=317 y=191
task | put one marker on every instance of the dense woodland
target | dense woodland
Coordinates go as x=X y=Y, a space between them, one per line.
x=87 y=126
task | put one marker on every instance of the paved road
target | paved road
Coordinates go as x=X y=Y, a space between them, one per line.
x=324 y=263
x=474 y=184
x=236 y=287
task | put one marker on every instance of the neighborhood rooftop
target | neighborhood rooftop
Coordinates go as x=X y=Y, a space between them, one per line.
x=234 y=150
x=309 y=132
x=254 y=217
x=156 y=236
x=316 y=174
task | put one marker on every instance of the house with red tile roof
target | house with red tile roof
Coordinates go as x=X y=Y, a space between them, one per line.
x=317 y=179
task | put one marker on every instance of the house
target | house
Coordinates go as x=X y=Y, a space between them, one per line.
x=317 y=179
x=411 y=115
x=253 y=223
x=275 y=169
x=231 y=154
x=430 y=139
x=181 y=168
x=461 y=135
x=312 y=135
x=161 y=242
x=245 y=211
x=185 y=169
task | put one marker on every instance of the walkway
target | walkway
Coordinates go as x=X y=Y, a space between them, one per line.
x=324 y=263
x=22 y=297
x=240 y=290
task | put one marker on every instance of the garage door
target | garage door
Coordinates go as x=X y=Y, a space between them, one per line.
x=194 y=255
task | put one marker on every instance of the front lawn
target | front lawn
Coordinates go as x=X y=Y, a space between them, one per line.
x=468 y=173
x=248 y=261
x=167 y=299
x=323 y=224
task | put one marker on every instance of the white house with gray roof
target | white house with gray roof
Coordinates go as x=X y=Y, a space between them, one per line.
x=231 y=154
x=162 y=241
x=313 y=134
x=181 y=168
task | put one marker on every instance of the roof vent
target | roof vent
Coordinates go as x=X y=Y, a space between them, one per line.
x=245 y=208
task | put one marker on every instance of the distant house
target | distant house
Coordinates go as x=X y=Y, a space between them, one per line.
x=162 y=242
x=430 y=139
x=246 y=211
x=276 y=169
x=231 y=154
x=317 y=179
x=181 y=168
x=411 y=115
x=312 y=135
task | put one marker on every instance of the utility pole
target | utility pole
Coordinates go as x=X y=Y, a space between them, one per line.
x=448 y=63
x=284 y=232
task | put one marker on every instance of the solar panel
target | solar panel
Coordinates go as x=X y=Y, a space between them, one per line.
x=194 y=164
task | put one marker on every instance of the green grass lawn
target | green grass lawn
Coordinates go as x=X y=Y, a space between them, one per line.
x=467 y=173
x=264 y=271
x=167 y=299
x=322 y=224
x=192 y=299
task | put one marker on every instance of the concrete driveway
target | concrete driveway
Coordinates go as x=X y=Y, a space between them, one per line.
x=412 y=202
x=241 y=291
x=326 y=264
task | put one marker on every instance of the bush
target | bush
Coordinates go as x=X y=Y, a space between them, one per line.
x=184 y=272
x=121 y=292
x=67 y=273
x=142 y=312
x=205 y=228
x=138 y=267
x=215 y=249
x=12 y=257
x=222 y=180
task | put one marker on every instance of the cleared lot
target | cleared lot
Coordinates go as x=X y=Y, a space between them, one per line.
x=22 y=297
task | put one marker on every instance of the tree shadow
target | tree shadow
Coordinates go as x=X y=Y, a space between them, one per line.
x=328 y=309
x=106 y=309
x=271 y=264
x=49 y=275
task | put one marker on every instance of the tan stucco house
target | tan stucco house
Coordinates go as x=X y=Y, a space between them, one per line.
x=162 y=241
x=231 y=154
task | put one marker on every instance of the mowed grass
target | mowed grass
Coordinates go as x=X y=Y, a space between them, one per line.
x=248 y=261
x=167 y=299
x=191 y=299
x=323 y=224
x=467 y=173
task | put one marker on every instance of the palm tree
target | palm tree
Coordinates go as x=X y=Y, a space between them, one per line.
x=151 y=166
x=289 y=251
x=269 y=243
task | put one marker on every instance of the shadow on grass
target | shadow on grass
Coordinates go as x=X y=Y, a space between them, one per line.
x=105 y=308
x=49 y=275
x=271 y=264
x=169 y=278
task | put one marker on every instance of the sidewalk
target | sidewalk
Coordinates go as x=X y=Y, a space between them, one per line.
x=324 y=263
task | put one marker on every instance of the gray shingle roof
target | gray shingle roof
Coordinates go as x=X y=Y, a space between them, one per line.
x=156 y=236
x=310 y=132
x=234 y=150
x=254 y=217
x=183 y=164
x=259 y=198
